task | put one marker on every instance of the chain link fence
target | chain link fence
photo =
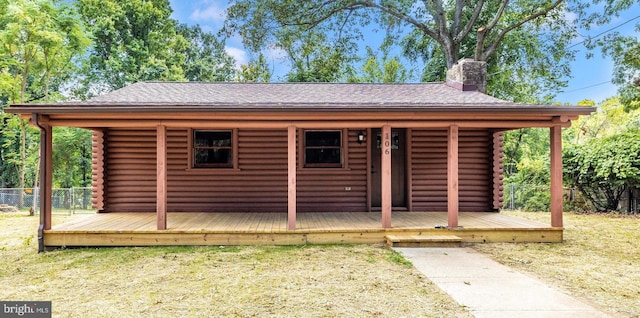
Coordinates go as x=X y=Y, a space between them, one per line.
x=529 y=197
x=63 y=201
x=525 y=197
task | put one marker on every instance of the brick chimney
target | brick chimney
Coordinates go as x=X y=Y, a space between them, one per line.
x=468 y=75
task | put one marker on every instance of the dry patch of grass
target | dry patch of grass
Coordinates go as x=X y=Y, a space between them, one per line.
x=317 y=281
x=599 y=260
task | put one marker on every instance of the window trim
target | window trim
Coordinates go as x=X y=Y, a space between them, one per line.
x=233 y=165
x=344 y=141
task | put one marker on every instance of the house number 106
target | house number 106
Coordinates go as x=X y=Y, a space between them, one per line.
x=387 y=144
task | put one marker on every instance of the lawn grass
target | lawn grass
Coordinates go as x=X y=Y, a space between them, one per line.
x=288 y=281
x=599 y=260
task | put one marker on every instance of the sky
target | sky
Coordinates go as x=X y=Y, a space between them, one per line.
x=589 y=78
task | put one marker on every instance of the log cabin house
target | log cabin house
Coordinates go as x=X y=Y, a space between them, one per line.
x=284 y=163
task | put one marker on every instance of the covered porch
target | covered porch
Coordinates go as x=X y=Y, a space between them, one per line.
x=201 y=228
x=143 y=154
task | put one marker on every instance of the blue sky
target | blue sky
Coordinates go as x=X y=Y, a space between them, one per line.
x=589 y=77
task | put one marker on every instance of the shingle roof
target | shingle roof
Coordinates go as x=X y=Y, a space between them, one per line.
x=169 y=97
x=193 y=93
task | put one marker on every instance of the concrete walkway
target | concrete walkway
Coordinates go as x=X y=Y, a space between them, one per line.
x=490 y=289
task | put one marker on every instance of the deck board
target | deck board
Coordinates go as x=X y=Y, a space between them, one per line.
x=200 y=228
x=261 y=222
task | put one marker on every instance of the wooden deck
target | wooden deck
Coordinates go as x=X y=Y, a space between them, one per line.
x=139 y=229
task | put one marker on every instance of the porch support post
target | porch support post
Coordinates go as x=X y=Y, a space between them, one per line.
x=452 y=177
x=386 y=200
x=46 y=177
x=556 y=175
x=292 y=176
x=161 y=176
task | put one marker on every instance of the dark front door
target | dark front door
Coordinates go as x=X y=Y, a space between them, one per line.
x=398 y=180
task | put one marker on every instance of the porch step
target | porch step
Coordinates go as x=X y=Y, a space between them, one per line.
x=423 y=241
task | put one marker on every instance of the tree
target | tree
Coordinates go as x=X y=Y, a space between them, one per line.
x=256 y=71
x=624 y=50
x=384 y=69
x=610 y=119
x=526 y=168
x=39 y=42
x=18 y=155
x=138 y=41
x=602 y=158
x=313 y=59
x=448 y=24
x=206 y=59
x=72 y=157
x=133 y=41
x=529 y=65
x=435 y=31
x=603 y=169
x=521 y=144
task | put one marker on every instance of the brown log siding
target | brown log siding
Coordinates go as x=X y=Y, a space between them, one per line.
x=331 y=190
x=476 y=172
x=130 y=173
x=259 y=184
x=429 y=170
x=498 y=169
x=260 y=181
x=97 y=170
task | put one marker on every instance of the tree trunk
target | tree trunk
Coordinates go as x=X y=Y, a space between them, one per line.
x=23 y=135
x=35 y=185
x=23 y=164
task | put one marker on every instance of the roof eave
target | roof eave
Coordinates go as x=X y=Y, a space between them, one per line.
x=80 y=108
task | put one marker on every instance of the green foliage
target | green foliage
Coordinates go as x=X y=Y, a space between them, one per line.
x=529 y=65
x=313 y=58
x=71 y=157
x=447 y=25
x=622 y=49
x=530 y=178
x=206 y=59
x=133 y=41
x=522 y=147
x=625 y=52
x=528 y=197
x=256 y=71
x=603 y=169
x=40 y=41
x=383 y=69
x=589 y=141
x=610 y=119
x=11 y=158
x=524 y=42
x=138 y=41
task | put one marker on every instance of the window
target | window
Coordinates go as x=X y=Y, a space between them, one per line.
x=323 y=148
x=212 y=149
